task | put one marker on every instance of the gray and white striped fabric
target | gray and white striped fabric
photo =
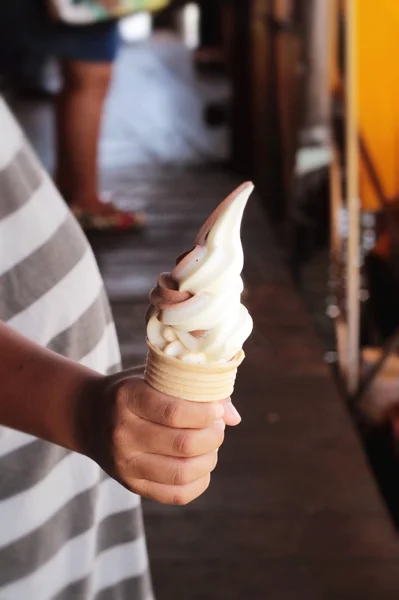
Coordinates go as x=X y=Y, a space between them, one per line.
x=67 y=531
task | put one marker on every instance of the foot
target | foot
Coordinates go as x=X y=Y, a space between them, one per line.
x=107 y=217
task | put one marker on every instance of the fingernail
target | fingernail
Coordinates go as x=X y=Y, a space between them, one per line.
x=232 y=413
x=219 y=411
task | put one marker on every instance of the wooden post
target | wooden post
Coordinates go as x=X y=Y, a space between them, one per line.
x=336 y=247
x=353 y=201
x=287 y=56
x=256 y=140
x=243 y=154
x=317 y=105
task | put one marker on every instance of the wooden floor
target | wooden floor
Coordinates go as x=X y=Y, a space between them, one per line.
x=292 y=512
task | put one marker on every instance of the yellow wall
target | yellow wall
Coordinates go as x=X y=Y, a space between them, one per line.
x=378 y=91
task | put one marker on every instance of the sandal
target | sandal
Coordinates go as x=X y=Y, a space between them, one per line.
x=116 y=220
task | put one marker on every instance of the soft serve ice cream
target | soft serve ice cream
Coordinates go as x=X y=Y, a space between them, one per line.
x=196 y=315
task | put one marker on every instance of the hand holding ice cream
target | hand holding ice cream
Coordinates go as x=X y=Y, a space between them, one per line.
x=197 y=324
x=158 y=444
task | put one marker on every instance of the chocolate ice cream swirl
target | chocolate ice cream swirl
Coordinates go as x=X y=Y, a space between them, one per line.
x=196 y=313
x=167 y=295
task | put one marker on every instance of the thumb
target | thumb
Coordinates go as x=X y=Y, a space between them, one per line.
x=231 y=415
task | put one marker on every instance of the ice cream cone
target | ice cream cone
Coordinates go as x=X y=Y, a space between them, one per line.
x=198 y=383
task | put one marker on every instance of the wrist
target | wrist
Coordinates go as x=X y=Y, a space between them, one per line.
x=94 y=419
x=73 y=408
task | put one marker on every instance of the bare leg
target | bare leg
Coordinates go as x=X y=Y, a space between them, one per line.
x=79 y=109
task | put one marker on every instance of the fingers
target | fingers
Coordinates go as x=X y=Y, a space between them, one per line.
x=171 y=494
x=231 y=415
x=144 y=436
x=153 y=406
x=165 y=448
x=169 y=470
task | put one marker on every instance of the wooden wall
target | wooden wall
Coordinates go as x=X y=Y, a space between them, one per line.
x=265 y=67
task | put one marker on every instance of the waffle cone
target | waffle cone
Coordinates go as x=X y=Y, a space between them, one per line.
x=198 y=383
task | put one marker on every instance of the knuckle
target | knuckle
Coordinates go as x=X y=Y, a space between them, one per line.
x=183 y=444
x=186 y=494
x=137 y=398
x=121 y=396
x=178 y=477
x=180 y=498
x=120 y=435
x=181 y=474
x=171 y=414
x=132 y=466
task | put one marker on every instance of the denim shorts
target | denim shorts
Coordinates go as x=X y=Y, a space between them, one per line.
x=27 y=31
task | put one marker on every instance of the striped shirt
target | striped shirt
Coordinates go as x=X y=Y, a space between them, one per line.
x=67 y=531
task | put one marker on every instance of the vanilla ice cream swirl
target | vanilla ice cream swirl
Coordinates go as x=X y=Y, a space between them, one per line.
x=196 y=313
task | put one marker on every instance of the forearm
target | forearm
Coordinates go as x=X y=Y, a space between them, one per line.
x=40 y=390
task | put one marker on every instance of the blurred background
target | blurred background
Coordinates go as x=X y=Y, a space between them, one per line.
x=301 y=97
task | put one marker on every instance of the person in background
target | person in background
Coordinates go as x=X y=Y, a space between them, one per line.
x=73 y=428
x=86 y=54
